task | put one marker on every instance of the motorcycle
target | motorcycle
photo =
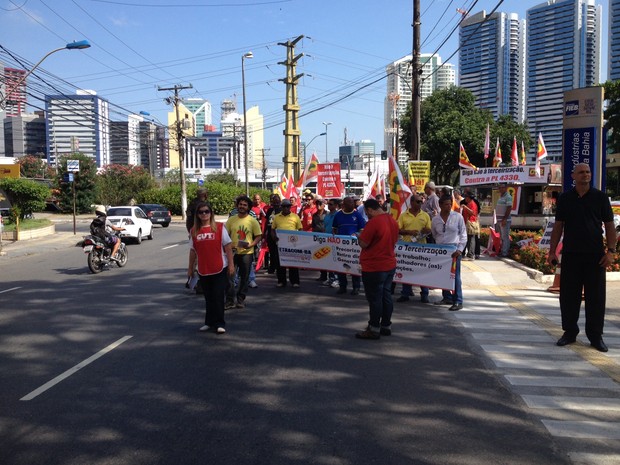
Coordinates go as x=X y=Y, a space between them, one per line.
x=100 y=254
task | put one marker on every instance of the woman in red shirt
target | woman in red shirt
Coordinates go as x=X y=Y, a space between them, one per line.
x=472 y=223
x=211 y=248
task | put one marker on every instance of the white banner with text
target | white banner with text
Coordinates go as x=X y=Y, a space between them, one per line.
x=428 y=265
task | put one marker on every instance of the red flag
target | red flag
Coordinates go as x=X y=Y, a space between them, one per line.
x=399 y=191
x=497 y=159
x=514 y=155
x=541 y=153
x=464 y=159
x=310 y=172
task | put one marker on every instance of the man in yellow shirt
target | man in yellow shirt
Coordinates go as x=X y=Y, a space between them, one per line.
x=287 y=221
x=245 y=232
x=414 y=225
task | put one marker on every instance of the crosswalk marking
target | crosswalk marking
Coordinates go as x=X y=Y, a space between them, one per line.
x=519 y=339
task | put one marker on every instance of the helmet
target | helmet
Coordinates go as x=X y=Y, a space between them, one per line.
x=100 y=210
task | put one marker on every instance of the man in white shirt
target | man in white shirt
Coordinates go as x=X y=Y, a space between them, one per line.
x=448 y=227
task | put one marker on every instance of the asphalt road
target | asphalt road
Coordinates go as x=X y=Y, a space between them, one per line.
x=132 y=381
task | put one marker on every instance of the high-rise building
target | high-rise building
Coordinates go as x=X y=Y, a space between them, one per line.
x=256 y=138
x=78 y=123
x=13 y=94
x=187 y=127
x=201 y=109
x=563 y=53
x=492 y=62
x=435 y=75
x=25 y=135
x=613 y=62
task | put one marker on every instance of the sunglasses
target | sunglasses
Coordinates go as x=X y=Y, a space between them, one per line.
x=203 y=212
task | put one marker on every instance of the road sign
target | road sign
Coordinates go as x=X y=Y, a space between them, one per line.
x=73 y=165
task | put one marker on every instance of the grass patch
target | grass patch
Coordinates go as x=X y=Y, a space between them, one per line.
x=28 y=224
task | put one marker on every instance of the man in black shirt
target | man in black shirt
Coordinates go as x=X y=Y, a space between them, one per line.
x=579 y=215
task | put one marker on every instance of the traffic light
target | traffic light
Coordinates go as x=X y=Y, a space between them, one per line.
x=383 y=154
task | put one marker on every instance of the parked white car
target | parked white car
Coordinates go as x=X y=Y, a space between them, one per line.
x=137 y=225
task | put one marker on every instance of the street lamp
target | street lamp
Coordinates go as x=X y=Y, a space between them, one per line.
x=79 y=45
x=245 y=120
x=306 y=145
x=326 y=124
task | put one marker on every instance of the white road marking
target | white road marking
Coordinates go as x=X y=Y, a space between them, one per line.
x=170 y=247
x=9 y=290
x=73 y=370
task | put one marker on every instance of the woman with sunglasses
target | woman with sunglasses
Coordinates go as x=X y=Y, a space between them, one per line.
x=211 y=248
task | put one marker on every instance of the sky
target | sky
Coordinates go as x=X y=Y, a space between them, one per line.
x=140 y=45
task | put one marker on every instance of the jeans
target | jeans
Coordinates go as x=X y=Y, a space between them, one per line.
x=214 y=287
x=504 y=233
x=355 y=281
x=408 y=291
x=377 y=286
x=455 y=296
x=243 y=263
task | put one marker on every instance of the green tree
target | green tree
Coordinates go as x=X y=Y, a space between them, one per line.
x=225 y=177
x=612 y=114
x=119 y=184
x=449 y=116
x=35 y=167
x=26 y=196
x=83 y=181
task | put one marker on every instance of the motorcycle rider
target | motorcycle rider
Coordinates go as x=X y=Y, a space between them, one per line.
x=109 y=238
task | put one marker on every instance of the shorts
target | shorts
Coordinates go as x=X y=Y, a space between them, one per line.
x=111 y=240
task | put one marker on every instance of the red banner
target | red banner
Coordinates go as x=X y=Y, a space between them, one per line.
x=329 y=184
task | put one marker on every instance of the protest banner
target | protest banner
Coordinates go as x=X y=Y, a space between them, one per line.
x=523 y=174
x=328 y=183
x=420 y=172
x=428 y=265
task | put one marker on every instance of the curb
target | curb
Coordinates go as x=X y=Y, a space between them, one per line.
x=541 y=278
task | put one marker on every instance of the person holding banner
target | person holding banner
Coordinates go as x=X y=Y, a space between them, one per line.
x=378 y=262
x=414 y=225
x=287 y=221
x=448 y=227
x=348 y=222
x=579 y=215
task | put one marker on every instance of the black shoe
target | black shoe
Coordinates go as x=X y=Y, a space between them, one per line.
x=385 y=331
x=444 y=302
x=355 y=292
x=367 y=334
x=342 y=290
x=599 y=345
x=456 y=307
x=565 y=340
x=402 y=298
x=425 y=299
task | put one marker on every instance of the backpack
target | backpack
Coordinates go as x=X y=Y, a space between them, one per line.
x=97 y=228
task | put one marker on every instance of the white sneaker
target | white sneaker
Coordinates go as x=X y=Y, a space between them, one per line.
x=220 y=330
x=327 y=282
x=204 y=328
x=335 y=284
x=253 y=284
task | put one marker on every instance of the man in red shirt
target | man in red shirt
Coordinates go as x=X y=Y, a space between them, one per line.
x=378 y=262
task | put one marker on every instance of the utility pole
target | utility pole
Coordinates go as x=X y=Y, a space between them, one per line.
x=179 y=137
x=414 y=151
x=291 y=107
x=263 y=166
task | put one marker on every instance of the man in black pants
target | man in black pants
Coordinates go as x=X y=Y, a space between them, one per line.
x=579 y=214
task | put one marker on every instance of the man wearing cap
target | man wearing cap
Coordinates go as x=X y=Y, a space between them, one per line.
x=287 y=221
x=503 y=218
